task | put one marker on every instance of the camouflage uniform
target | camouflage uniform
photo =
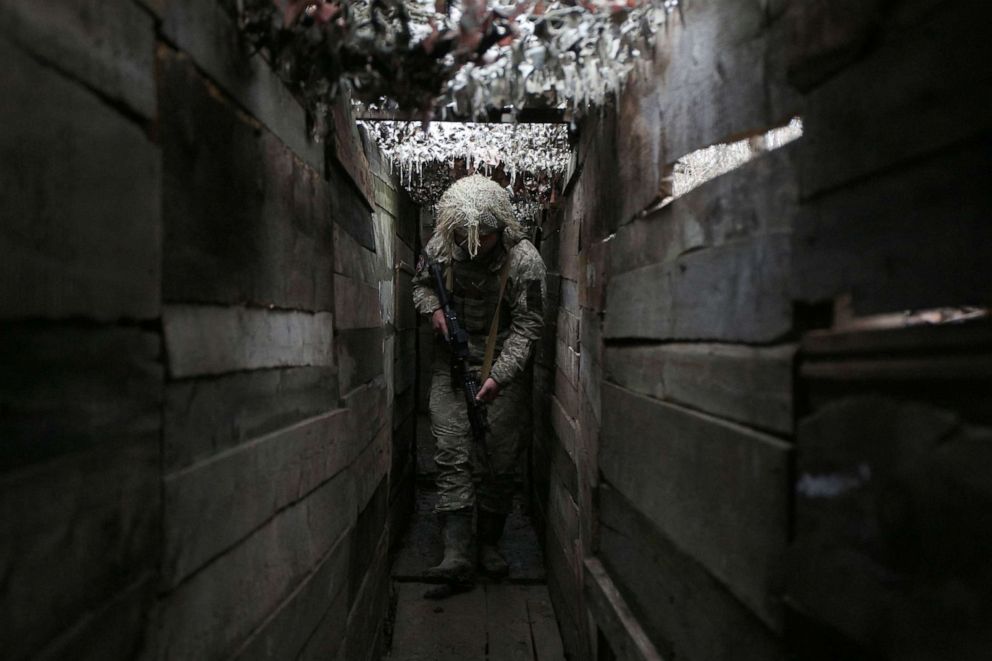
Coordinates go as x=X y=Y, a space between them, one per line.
x=476 y=284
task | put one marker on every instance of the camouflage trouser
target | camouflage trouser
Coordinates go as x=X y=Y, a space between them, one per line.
x=457 y=456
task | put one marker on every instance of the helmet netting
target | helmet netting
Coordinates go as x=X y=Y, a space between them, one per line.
x=475 y=204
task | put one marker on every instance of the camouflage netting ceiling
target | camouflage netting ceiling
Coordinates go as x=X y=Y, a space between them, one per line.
x=463 y=60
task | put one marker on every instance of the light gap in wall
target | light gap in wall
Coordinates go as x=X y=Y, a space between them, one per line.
x=845 y=318
x=703 y=165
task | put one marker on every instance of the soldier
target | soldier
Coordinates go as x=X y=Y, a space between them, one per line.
x=482 y=251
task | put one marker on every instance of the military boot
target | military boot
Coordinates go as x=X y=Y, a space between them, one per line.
x=455 y=568
x=490 y=530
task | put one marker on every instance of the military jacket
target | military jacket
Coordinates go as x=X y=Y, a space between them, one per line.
x=475 y=285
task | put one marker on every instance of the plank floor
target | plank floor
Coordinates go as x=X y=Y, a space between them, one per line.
x=506 y=621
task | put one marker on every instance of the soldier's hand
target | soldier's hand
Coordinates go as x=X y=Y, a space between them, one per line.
x=439 y=323
x=488 y=391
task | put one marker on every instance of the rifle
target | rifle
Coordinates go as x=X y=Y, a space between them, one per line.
x=458 y=342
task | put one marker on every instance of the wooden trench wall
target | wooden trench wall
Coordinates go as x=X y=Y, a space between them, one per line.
x=206 y=365
x=728 y=462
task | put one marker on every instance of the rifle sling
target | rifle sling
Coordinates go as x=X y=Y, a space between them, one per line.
x=487 y=360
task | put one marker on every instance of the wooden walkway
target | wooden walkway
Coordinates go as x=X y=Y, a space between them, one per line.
x=507 y=621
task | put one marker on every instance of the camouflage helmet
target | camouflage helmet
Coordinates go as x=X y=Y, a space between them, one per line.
x=478 y=205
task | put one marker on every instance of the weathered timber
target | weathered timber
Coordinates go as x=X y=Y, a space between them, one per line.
x=204 y=417
x=950 y=338
x=212 y=505
x=925 y=87
x=67 y=390
x=627 y=639
x=107 y=500
x=353 y=259
x=368 y=408
x=246 y=221
x=718 y=490
x=911 y=238
x=464 y=616
x=567 y=394
x=734 y=292
x=319 y=601
x=756 y=199
x=746 y=384
x=199 y=619
x=356 y=304
x=568 y=260
x=508 y=624
x=210 y=35
x=716 y=85
x=80 y=196
x=350 y=213
x=405 y=314
x=111 y=630
x=208 y=339
x=543 y=627
x=567 y=361
x=564 y=588
x=566 y=428
x=359 y=355
x=368 y=614
x=349 y=150
x=110 y=49
x=826 y=35
x=591 y=362
x=890 y=520
x=372 y=512
x=405 y=361
x=684 y=610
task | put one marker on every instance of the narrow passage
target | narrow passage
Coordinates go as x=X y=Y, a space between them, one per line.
x=497 y=621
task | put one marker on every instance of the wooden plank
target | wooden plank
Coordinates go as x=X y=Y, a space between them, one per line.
x=369 y=612
x=73 y=389
x=212 y=505
x=591 y=364
x=567 y=395
x=973 y=336
x=826 y=36
x=719 y=490
x=684 y=610
x=543 y=625
x=734 y=292
x=507 y=625
x=405 y=312
x=566 y=429
x=359 y=356
x=110 y=49
x=627 y=639
x=278 y=556
x=354 y=260
x=107 y=500
x=349 y=150
x=209 y=34
x=565 y=590
x=717 y=83
x=458 y=625
x=80 y=195
x=349 y=211
x=208 y=339
x=368 y=408
x=747 y=384
x=756 y=199
x=356 y=304
x=318 y=606
x=920 y=456
x=914 y=238
x=922 y=89
x=405 y=361
x=245 y=220
x=567 y=361
x=204 y=417
x=568 y=328
x=367 y=538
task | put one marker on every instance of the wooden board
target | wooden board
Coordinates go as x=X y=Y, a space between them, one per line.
x=746 y=384
x=356 y=304
x=109 y=49
x=80 y=196
x=717 y=82
x=682 y=608
x=209 y=34
x=318 y=603
x=734 y=292
x=359 y=355
x=453 y=630
x=627 y=639
x=209 y=339
x=925 y=87
x=212 y=505
x=913 y=238
x=718 y=490
x=278 y=556
x=245 y=220
x=204 y=417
